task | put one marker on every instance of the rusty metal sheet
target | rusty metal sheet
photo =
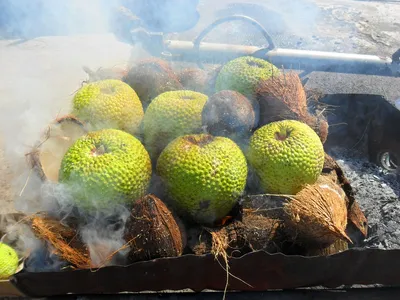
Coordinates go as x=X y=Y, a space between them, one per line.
x=258 y=271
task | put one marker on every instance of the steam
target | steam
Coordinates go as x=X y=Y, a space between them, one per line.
x=41 y=71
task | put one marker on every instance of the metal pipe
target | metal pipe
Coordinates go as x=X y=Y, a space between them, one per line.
x=288 y=58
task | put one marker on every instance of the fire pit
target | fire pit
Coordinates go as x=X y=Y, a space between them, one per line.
x=339 y=228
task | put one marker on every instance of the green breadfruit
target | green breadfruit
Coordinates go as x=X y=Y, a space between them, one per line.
x=106 y=168
x=286 y=155
x=203 y=175
x=109 y=103
x=243 y=74
x=170 y=115
x=8 y=261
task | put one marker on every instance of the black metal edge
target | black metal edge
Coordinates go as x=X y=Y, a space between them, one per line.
x=257 y=271
x=303 y=294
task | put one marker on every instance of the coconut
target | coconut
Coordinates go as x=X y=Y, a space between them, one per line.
x=62 y=239
x=356 y=218
x=317 y=215
x=153 y=231
x=283 y=97
x=49 y=151
x=150 y=78
x=194 y=79
x=228 y=113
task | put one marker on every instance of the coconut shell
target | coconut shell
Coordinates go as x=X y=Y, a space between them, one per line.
x=283 y=97
x=150 y=78
x=153 y=231
x=63 y=239
x=45 y=158
x=317 y=215
x=194 y=79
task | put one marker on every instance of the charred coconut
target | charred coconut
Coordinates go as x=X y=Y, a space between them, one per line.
x=153 y=231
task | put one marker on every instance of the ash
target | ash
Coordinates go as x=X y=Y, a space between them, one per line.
x=377 y=192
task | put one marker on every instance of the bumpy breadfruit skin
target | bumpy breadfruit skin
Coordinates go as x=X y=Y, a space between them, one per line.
x=243 y=74
x=170 y=115
x=106 y=168
x=8 y=261
x=109 y=103
x=203 y=176
x=286 y=155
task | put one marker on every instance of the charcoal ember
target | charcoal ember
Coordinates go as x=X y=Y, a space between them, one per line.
x=152 y=231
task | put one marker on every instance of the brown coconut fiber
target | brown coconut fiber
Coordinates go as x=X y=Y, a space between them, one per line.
x=63 y=239
x=153 y=231
x=317 y=215
x=283 y=97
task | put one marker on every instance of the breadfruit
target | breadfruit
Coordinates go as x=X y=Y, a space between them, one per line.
x=47 y=154
x=108 y=104
x=203 y=176
x=150 y=78
x=106 y=168
x=283 y=97
x=8 y=261
x=243 y=74
x=286 y=155
x=229 y=114
x=154 y=230
x=170 y=115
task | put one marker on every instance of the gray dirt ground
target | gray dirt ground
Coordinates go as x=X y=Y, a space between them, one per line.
x=39 y=76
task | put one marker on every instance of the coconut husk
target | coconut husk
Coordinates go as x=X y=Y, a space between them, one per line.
x=317 y=215
x=150 y=78
x=46 y=156
x=194 y=79
x=63 y=239
x=153 y=231
x=254 y=232
x=283 y=97
x=356 y=218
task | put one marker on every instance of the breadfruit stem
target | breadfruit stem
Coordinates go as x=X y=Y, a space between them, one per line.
x=200 y=141
x=108 y=90
x=283 y=134
x=254 y=64
x=100 y=150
